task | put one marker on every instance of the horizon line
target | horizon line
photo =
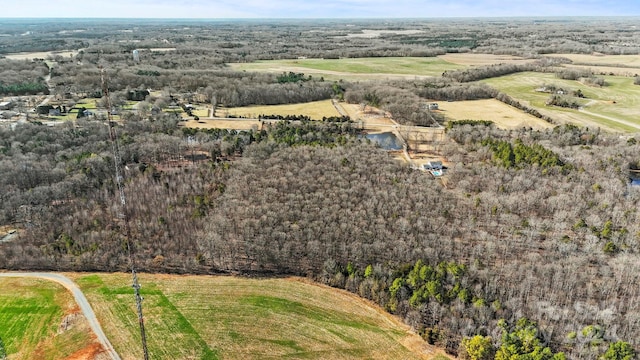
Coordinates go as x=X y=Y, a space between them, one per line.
x=324 y=18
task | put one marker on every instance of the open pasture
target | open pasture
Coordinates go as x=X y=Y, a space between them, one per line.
x=631 y=61
x=209 y=317
x=503 y=115
x=315 y=110
x=39 y=319
x=356 y=69
x=614 y=107
x=473 y=59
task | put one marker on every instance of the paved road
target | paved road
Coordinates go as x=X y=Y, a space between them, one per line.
x=82 y=303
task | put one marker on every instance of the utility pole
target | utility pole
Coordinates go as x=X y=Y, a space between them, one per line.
x=123 y=215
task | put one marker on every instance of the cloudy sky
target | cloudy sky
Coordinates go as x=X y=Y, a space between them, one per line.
x=315 y=8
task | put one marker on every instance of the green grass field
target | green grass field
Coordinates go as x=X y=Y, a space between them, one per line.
x=615 y=106
x=30 y=313
x=206 y=317
x=342 y=68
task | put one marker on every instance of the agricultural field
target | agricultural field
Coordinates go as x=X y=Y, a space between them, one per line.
x=473 y=59
x=315 y=110
x=239 y=124
x=355 y=69
x=209 y=317
x=41 y=55
x=629 y=61
x=40 y=320
x=614 y=107
x=503 y=115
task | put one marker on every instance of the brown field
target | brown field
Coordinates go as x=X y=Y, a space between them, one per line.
x=40 y=55
x=316 y=110
x=503 y=115
x=223 y=124
x=603 y=60
x=370 y=118
x=471 y=59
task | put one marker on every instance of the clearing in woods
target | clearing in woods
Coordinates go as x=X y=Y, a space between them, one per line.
x=355 y=68
x=503 y=115
x=209 y=317
x=316 y=110
x=40 y=320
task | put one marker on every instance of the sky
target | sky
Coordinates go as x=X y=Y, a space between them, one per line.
x=214 y=9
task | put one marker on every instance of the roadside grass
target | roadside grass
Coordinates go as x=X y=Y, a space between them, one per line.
x=208 y=317
x=31 y=310
x=615 y=106
x=424 y=66
x=315 y=110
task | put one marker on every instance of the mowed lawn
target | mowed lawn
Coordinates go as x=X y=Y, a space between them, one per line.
x=31 y=312
x=216 y=317
x=373 y=67
x=615 y=106
x=316 y=110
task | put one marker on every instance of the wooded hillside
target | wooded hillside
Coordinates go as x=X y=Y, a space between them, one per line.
x=541 y=240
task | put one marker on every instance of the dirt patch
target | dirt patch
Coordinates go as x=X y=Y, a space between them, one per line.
x=372 y=119
x=91 y=352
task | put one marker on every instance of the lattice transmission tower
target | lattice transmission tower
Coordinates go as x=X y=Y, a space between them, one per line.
x=123 y=214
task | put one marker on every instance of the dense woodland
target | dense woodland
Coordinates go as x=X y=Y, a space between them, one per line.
x=528 y=247
x=550 y=234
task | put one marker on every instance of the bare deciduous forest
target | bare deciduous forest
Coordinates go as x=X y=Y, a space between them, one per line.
x=527 y=247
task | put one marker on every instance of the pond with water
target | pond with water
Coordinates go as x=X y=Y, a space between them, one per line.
x=386 y=140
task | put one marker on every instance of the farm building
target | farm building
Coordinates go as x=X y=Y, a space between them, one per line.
x=433 y=165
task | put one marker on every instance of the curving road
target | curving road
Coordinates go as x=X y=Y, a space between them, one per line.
x=82 y=301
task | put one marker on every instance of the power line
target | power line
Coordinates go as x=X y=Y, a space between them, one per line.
x=123 y=215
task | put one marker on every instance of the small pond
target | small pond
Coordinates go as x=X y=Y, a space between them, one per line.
x=386 y=140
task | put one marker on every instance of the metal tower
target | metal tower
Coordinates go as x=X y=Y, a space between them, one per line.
x=123 y=215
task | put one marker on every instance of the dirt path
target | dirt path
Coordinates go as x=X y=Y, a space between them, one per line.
x=82 y=301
